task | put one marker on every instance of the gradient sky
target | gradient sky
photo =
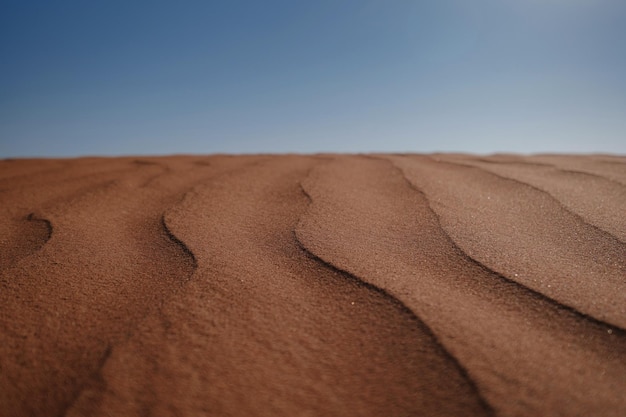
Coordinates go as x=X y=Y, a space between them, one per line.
x=159 y=77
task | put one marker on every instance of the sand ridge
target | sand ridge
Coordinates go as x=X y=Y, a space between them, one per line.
x=313 y=285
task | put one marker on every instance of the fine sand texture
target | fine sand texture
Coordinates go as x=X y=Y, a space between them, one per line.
x=313 y=285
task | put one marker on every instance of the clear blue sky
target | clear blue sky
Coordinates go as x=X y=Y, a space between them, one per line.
x=158 y=77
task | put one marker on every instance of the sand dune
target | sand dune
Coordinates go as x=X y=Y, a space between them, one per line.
x=322 y=285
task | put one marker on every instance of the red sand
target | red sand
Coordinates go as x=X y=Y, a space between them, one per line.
x=375 y=285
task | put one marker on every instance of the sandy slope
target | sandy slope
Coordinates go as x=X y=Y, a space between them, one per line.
x=395 y=285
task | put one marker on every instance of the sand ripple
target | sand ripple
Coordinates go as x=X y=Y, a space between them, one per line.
x=395 y=285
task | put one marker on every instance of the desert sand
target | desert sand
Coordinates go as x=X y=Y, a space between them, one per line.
x=313 y=285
